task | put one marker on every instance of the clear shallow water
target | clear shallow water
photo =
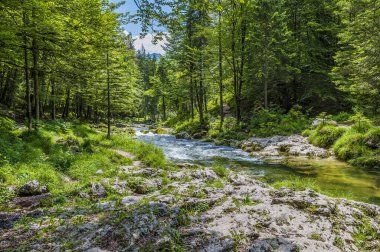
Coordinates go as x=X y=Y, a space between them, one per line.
x=330 y=175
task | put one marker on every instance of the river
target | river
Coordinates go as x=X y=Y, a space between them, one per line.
x=329 y=175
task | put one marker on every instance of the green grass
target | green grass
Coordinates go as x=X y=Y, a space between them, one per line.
x=365 y=232
x=220 y=170
x=65 y=156
x=359 y=144
x=325 y=135
x=300 y=184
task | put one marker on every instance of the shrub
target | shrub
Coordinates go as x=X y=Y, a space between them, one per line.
x=307 y=132
x=268 y=122
x=372 y=138
x=325 y=135
x=350 y=145
x=362 y=123
x=5 y=195
x=369 y=161
x=341 y=117
x=6 y=124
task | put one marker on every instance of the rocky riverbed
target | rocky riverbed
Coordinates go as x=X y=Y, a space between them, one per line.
x=271 y=148
x=193 y=208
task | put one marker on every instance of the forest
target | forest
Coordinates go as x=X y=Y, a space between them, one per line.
x=293 y=83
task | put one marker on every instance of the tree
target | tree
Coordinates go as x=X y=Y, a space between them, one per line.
x=357 y=70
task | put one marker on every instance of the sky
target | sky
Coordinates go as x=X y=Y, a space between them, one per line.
x=135 y=29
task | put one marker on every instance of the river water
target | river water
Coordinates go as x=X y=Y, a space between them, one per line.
x=330 y=175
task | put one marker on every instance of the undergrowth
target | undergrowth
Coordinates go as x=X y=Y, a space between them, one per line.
x=65 y=157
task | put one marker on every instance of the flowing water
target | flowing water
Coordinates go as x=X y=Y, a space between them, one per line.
x=330 y=175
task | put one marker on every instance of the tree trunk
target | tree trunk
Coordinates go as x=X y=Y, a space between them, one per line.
x=163 y=108
x=234 y=64
x=26 y=69
x=35 y=79
x=220 y=69
x=53 y=111
x=108 y=101
x=242 y=61
x=65 y=113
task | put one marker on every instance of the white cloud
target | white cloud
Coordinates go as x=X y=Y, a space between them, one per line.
x=148 y=44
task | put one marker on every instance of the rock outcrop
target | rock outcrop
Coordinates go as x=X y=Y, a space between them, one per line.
x=197 y=210
x=295 y=145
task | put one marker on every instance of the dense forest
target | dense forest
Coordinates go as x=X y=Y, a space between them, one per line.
x=61 y=59
x=231 y=68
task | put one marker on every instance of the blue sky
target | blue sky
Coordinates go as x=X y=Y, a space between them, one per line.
x=135 y=29
x=130 y=7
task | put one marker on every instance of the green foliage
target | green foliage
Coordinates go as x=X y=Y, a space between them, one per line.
x=297 y=184
x=65 y=156
x=270 y=122
x=359 y=148
x=362 y=123
x=350 y=145
x=6 y=124
x=5 y=195
x=325 y=135
x=220 y=170
x=357 y=63
x=341 y=117
x=191 y=126
x=365 y=232
x=372 y=138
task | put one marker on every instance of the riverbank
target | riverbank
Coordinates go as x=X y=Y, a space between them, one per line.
x=273 y=161
x=122 y=195
x=355 y=140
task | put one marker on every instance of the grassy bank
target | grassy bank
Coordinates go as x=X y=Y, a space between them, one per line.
x=66 y=157
x=358 y=144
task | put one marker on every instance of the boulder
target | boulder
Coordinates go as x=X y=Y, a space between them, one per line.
x=30 y=201
x=319 y=121
x=183 y=135
x=31 y=188
x=205 y=174
x=98 y=190
x=120 y=125
x=100 y=171
x=130 y=200
x=199 y=135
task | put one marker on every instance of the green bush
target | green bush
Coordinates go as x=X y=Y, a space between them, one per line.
x=325 y=135
x=191 y=126
x=341 y=117
x=350 y=145
x=372 y=138
x=268 y=122
x=361 y=123
x=6 y=124
x=307 y=132
x=370 y=162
